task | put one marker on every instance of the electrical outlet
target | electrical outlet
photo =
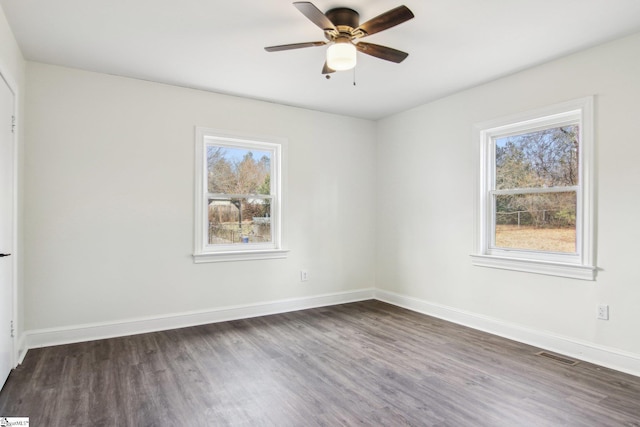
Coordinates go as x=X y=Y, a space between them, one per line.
x=304 y=275
x=603 y=312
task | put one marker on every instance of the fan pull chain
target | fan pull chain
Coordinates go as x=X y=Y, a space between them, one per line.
x=354 y=76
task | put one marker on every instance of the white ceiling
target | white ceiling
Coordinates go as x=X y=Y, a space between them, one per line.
x=218 y=46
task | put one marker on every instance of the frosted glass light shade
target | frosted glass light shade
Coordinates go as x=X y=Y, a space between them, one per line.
x=341 y=56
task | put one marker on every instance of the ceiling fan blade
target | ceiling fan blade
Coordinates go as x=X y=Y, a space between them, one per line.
x=314 y=15
x=326 y=69
x=381 y=52
x=293 y=46
x=388 y=19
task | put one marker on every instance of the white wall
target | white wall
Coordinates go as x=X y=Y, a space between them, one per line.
x=12 y=67
x=425 y=219
x=109 y=200
x=11 y=59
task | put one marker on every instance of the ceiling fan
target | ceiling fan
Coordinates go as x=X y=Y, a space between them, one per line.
x=343 y=33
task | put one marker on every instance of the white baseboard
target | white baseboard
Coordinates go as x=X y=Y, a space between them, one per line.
x=95 y=331
x=586 y=351
x=21 y=349
x=589 y=352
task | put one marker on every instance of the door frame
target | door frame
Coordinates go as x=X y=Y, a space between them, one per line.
x=7 y=78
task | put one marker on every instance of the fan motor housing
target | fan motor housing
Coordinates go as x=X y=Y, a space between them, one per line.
x=343 y=16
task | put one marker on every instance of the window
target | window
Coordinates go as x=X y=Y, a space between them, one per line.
x=238 y=200
x=534 y=205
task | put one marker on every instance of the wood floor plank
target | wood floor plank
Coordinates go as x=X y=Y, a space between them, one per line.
x=366 y=363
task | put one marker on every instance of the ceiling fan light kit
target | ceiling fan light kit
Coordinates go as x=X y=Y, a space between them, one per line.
x=341 y=56
x=342 y=30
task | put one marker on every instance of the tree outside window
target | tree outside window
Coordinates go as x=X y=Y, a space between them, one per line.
x=239 y=187
x=539 y=173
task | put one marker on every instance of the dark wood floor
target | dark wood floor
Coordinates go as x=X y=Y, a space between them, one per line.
x=365 y=363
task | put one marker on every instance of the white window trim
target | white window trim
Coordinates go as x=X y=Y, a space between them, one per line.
x=580 y=265
x=203 y=251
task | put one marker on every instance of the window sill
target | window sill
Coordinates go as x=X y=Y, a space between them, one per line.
x=240 y=255
x=573 y=271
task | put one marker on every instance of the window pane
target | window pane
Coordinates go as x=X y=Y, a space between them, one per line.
x=542 y=221
x=238 y=221
x=238 y=170
x=546 y=158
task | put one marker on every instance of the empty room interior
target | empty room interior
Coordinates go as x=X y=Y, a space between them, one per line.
x=327 y=213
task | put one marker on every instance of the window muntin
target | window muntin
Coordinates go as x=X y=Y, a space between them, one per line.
x=536 y=170
x=238 y=210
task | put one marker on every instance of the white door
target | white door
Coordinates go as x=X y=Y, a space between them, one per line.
x=6 y=230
